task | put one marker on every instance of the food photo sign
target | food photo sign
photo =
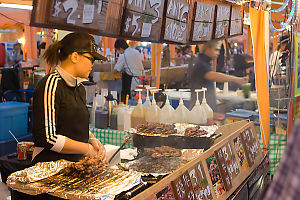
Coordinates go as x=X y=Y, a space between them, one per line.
x=222 y=21
x=236 y=21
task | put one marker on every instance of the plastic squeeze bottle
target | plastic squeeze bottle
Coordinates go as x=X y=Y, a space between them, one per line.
x=209 y=112
x=181 y=112
x=198 y=114
x=153 y=113
x=138 y=114
x=167 y=112
x=120 y=116
x=147 y=103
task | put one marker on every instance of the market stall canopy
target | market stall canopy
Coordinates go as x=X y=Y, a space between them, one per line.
x=18 y=21
x=21 y=2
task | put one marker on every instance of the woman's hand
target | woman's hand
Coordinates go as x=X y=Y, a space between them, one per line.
x=99 y=148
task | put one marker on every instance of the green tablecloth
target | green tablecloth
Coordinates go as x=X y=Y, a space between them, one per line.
x=277 y=144
x=110 y=136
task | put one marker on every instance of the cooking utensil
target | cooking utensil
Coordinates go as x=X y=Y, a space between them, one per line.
x=127 y=139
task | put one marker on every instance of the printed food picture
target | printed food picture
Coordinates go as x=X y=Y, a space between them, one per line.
x=241 y=153
x=165 y=194
x=215 y=176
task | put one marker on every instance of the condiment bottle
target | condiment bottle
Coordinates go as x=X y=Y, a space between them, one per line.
x=167 y=112
x=120 y=116
x=127 y=118
x=138 y=114
x=101 y=117
x=153 y=113
x=209 y=112
x=147 y=103
x=181 y=112
x=113 y=117
x=198 y=114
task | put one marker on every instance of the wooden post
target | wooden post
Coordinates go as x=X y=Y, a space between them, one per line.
x=156 y=49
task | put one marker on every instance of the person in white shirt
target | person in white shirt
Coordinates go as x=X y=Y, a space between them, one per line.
x=130 y=65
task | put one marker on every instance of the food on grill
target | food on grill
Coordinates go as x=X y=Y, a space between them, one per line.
x=163 y=151
x=103 y=185
x=161 y=166
x=194 y=132
x=87 y=167
x=156 y=129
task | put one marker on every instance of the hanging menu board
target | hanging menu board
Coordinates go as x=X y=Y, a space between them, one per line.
x=222 y=21
x=216 y=173
x=251 y=146
x=203 y=22
x=101 y=16
x=143 y=19
x=176 y=21
x=236 y=22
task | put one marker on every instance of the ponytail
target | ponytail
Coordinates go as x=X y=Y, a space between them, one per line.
x=52 y=54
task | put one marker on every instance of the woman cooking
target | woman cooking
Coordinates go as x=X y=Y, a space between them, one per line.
x=60 y=115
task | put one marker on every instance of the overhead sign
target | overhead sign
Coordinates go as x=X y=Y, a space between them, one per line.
x=176 y=21
x=143 y=19
x=203 y=22
x=222 y=21
x=236 y=21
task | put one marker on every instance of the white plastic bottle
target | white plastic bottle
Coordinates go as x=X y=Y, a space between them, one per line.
x=138 y=114
x=181 y=112
x=197 y=114
x=153 y=113
x=127 y=118
x=167 y=112
x=209 y=112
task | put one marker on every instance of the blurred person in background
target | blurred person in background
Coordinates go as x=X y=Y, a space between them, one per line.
x=130 y=65
x=202 y=74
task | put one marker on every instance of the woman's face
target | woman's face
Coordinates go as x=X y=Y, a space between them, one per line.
x=84 y=66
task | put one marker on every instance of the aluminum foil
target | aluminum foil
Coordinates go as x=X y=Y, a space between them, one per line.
x=105 y=185
x=39 y=171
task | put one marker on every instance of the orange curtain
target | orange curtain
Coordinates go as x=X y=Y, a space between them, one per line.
x=258 y=30
x=156 y=49
x=172 y=52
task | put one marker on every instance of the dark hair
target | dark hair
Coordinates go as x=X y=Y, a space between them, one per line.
x=53 y=54
x=121 y=43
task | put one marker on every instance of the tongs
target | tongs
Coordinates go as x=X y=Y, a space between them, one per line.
x=126 y=140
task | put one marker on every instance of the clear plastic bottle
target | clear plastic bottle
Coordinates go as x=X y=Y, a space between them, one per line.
x=167 y=112
x=198 y=114
x=120 y=116
x=181 y=113
x=138 y=114
x=209 y=112
x=153 y=113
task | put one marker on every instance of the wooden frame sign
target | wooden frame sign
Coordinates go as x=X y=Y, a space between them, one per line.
x=142 y=20
x=203 y=22
x=236 y=22
x=217 y=172
x=100 y=17
x=222 y=21
x=176 y=21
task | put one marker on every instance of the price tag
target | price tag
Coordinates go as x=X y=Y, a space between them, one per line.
x=146 y=29
x=241 y=153
x=199 y=182
x=178 y=189
x=215 y=176
x=250 y=145
x=221 y=160
x=88 y=14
